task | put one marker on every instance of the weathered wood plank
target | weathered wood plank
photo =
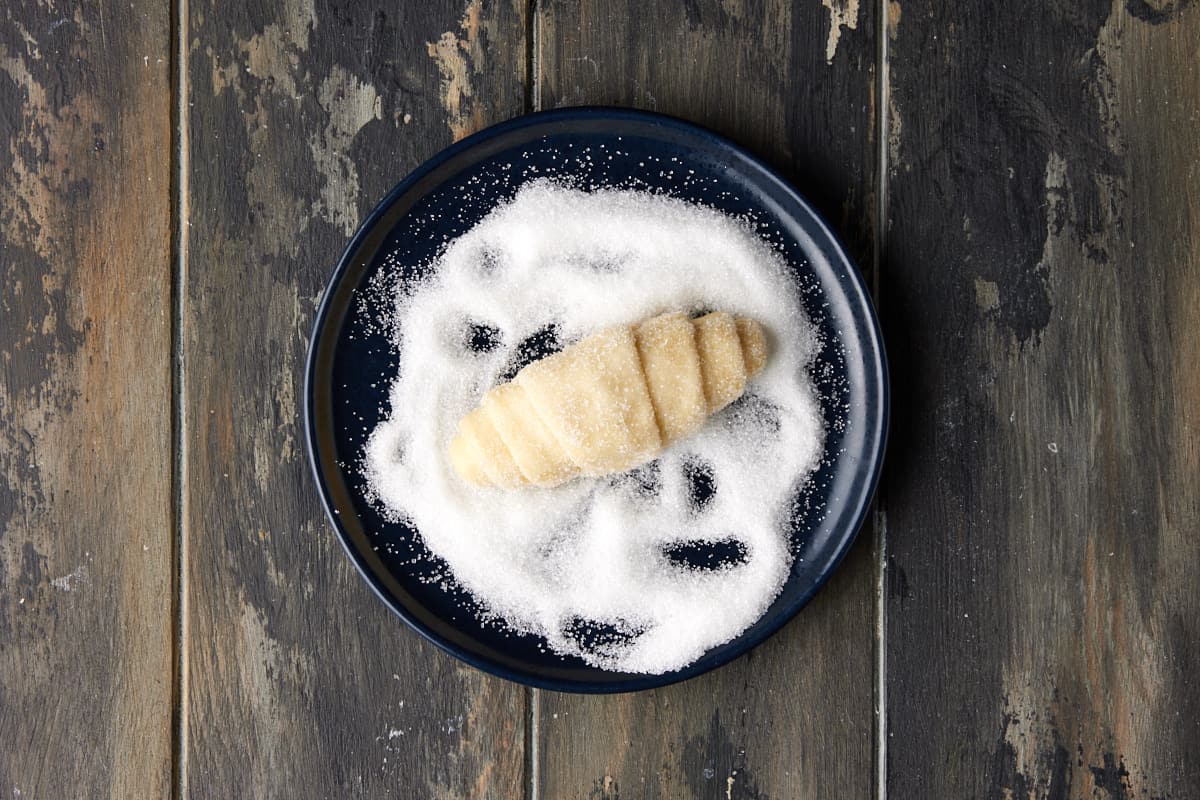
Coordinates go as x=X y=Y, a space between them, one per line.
x=86 y=540
x=299 y=682
x=1043 y=287
x=795 y=718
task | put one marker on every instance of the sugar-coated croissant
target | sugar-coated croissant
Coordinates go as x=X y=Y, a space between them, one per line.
x=609 y=402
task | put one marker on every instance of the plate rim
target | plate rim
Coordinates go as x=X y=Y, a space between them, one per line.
x=850 y=278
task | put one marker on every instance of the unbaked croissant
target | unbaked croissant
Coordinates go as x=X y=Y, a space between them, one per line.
x=609 y=402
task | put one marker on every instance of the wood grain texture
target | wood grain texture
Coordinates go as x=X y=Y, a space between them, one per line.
x=795 y=718
x=86 y=542
x=299 y=683
x=1043 y=299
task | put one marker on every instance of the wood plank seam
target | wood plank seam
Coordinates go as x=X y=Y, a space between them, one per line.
x=178 y=79
x=533 y=704
x=879 y=514
x=533 y=102
x=535 y=65
x=532 y=98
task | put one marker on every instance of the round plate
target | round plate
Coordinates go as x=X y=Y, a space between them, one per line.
x=351 y=363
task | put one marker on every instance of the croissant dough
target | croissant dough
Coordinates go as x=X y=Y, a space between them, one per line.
x=609 y=402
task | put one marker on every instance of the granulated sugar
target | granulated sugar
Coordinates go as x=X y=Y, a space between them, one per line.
x=593 y=566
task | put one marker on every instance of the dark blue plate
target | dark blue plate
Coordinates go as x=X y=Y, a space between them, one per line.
x=351 y=362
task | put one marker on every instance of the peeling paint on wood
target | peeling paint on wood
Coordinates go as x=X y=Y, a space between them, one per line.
x=350 y=105
x=894 y=12
x=462 y=57
x=843 y=14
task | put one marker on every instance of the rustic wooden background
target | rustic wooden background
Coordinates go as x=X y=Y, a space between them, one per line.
x=1020 y=181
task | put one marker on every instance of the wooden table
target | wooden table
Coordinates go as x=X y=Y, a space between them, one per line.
x=1022 y=186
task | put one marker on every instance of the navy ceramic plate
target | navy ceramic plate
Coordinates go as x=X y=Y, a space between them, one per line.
x=351 y=365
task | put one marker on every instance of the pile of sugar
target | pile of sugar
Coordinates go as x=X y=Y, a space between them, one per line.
x=593 y=554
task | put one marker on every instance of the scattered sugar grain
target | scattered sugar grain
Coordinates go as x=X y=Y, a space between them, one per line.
x=594 y=550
